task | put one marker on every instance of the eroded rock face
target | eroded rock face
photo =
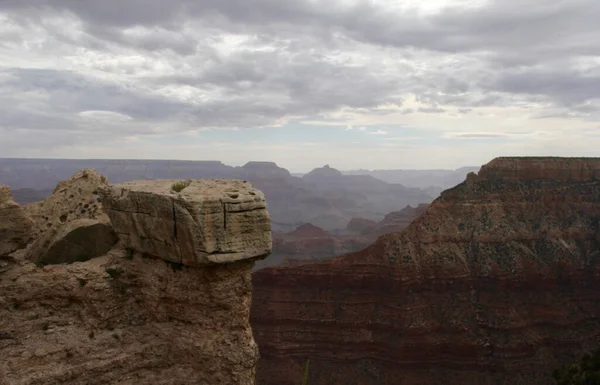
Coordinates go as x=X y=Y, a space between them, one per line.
x=209 y=221
x=15 y=227
x=73 y=198
x=498 y=282
x=126 y=317
x=70 y=225
x=75 y=241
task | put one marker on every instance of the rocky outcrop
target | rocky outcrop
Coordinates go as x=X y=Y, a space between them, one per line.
x=396 y=220
x=498 y=282
x=130 y=316
x=70 y=225
x=207 y=222
x=15 y=227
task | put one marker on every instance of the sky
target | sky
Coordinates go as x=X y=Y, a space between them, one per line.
x=373 y=84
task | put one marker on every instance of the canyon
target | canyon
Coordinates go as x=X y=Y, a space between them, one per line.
x=309 y=243
x=131 y=283
x=324 y=197
x=497 y=282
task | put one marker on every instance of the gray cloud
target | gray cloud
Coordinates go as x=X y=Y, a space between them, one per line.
x=171 y=64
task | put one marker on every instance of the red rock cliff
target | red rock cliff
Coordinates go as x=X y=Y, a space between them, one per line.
x=496 y=283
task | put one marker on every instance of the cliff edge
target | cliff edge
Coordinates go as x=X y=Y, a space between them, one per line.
x=498 y=282
x=135 y=313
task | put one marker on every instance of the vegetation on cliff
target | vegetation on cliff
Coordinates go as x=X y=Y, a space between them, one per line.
x=584 y=372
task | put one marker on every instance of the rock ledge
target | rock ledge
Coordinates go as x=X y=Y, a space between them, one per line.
x=210 y=221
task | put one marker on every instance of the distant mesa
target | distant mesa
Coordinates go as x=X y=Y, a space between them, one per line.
x=323 y=172
x=266 y=169
x=308 y=230
x=361 y=225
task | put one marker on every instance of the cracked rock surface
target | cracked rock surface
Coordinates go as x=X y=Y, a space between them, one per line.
x=210 y=221
x=121 y=316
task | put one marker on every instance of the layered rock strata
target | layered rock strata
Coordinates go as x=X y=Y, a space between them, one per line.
x=498 y=282
x=209 y=221
x=309 y=243
x=134 y=317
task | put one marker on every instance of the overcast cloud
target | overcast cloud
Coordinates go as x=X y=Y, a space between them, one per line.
x=430 y=83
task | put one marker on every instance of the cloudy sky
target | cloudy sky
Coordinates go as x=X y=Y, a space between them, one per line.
x=355 y=84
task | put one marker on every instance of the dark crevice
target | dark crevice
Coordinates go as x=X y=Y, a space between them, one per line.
x=224 y=216
x=174 y=222
x=175 y=240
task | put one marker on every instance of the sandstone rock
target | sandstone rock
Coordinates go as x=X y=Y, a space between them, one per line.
x=125 y=318
x=128 y=320
x=76 y=241
x=497 y=282
x=70 y=225
x=72 y=199
x=209 y=221
x=15 y=227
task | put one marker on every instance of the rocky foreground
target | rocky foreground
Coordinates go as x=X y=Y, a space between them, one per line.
x=498 y=282
x=130 y=284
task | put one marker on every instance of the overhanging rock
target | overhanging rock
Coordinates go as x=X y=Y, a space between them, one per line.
x=210 y=221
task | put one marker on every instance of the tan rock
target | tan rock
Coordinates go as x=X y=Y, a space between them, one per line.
x=128 y=320
x=70 y=224
x=74 y=198
x=209 y=221
x=15 y=227
x=76 y=241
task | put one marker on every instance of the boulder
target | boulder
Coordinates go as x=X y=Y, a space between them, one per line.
x=15 y=227
x=70 y=225
x=73 y=198
x=210 y=221
x=76 y=241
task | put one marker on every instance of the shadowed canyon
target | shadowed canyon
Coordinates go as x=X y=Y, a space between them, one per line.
x=494 y=282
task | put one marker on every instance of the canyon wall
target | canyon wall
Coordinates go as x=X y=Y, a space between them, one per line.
x=496 y=283
x=137 y=313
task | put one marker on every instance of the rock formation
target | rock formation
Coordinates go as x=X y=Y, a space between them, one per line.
x=178 y=314
x=309 y=243
x=70 y=224
x=396 y=220
x=15 y=226
x=209 y=221
x=361 y=225
x=498 y=282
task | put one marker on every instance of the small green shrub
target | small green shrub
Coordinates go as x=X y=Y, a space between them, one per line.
x=584 y=372
x=178 y=186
